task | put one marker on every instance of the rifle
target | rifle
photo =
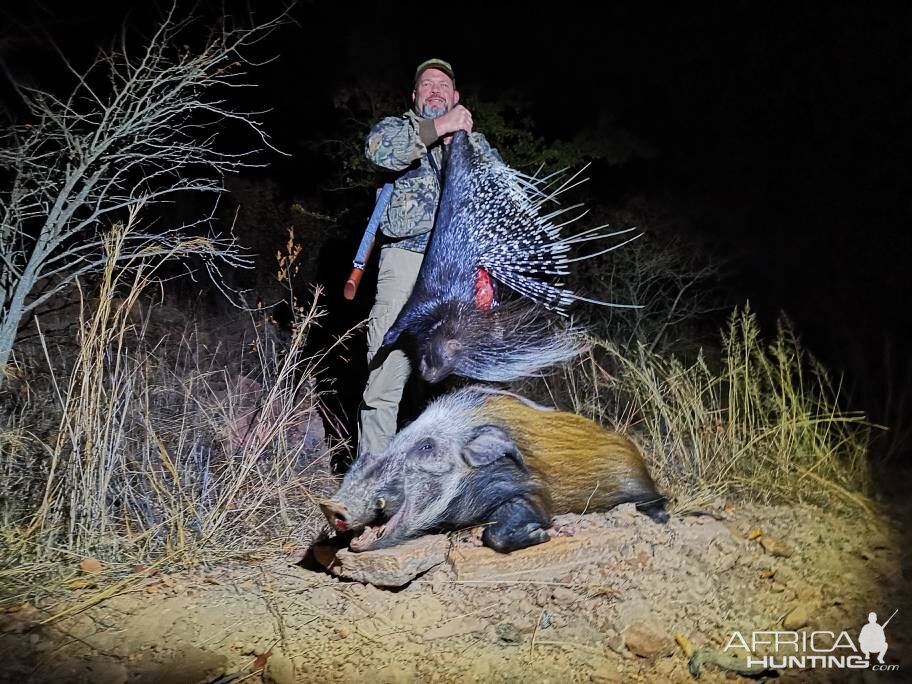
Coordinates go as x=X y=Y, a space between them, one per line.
x=367 y=242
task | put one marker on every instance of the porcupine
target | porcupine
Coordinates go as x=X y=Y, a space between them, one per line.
x=481 y=455
x=491 y=232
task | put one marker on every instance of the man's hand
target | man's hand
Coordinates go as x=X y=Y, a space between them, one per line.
x=457 y=119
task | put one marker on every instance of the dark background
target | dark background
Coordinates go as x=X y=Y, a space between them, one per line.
x=780 y=131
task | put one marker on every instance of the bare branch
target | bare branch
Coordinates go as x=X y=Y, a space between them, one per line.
x=137 y=128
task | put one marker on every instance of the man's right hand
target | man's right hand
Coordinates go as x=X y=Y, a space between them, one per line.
x=457 y=119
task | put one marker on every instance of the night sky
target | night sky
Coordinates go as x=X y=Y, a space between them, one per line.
x=781 y=131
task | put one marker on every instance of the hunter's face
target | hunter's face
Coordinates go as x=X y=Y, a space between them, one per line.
x=434 y=94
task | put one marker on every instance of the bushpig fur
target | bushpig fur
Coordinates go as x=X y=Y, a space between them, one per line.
x=484 y=456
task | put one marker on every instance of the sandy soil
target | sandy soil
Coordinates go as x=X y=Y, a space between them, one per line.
x=611 y=618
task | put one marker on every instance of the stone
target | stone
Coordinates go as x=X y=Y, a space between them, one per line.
x=624 y=510
x=279 y=670
x=395 y=566
x=796 y=618
x=614 y=641
x=508 y=632
x=547 y=561
x=775 y=547
x=648 y=640
x=704 y=531
x=607 y=673
x=563 y=595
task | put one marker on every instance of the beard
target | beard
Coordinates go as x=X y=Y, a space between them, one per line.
x=432 y=112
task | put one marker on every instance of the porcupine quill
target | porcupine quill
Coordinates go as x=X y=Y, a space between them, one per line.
x=490 y=287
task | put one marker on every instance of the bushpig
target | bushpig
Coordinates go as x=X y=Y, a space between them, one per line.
x=481 y=455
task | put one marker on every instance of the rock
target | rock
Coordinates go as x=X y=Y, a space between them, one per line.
x=777 y=587
x=727 y=561
x=395 y=566
x=563 y=595
x=607 y=673
x=648 y=640
x=543 y=561
x=91 y=565
x=279 y=670
x=614 y=641
x=624 y=510
x=507 y=631
x=775 y=547
x=701 y=533
x=809 y=594
x=796 y=618
x=545 y=620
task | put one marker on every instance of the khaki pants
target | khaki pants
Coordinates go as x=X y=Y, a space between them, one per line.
x=380 y=403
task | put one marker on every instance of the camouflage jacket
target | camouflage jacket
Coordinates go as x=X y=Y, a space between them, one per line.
x=408 y=144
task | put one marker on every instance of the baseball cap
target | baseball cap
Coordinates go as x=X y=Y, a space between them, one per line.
x=443 y=66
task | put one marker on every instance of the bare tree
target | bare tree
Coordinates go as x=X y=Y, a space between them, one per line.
x=138 y=127
x=674 y=285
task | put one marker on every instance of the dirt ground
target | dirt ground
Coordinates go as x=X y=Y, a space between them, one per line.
x=610 y=617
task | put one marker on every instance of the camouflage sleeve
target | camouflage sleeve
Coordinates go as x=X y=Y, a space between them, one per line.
x=394 y=143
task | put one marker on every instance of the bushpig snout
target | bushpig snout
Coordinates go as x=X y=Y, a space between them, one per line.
x=336 y=513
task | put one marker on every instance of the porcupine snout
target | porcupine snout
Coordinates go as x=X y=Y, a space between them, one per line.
x=439 y=359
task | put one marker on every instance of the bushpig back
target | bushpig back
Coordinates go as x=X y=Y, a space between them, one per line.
x=583 y=466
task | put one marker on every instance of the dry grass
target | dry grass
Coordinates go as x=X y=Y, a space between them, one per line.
x=158 y=447
x=762 y=423
x=152 y=449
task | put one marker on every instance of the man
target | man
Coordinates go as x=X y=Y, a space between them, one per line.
x=413 y=144
x=872 y=639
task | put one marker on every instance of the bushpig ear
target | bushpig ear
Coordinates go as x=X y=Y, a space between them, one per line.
x=487 y=444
